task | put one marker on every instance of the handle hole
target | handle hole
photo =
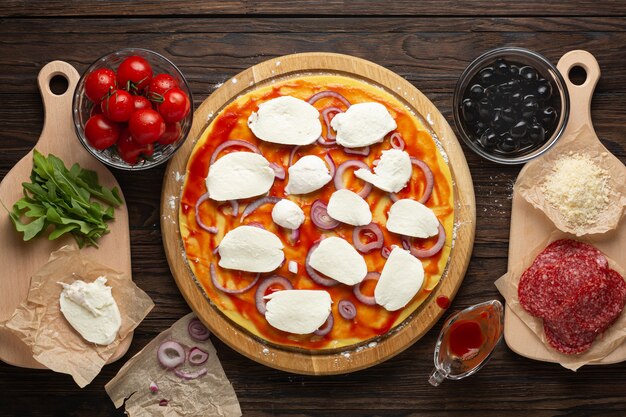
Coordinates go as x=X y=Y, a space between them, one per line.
x=58 y=85
x=577 y=75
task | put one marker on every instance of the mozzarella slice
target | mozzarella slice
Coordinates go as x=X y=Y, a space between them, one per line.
x=337 y=259
x=392 y=173
x=287 y=214
x=349 y=207
x=286 y=120
x=363 y=124
x=401 y=278
x=411 y=218
x=250 y=249
x=297 y=311
x=308 y=174
x=239 y=175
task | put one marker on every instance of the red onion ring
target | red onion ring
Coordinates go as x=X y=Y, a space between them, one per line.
x=366 y=299
x=263 y=286
x=385 y=252
x=406 y=243
x=234 y=204
x=211 y=229
x=326 y=327
x=367 y=188
x=256 y=224
x=197 y=356
x=197 y=330
x=190 y=375
x=330 y=136
x=220 y=287
x=163 y=403
x=295 y=235
x=367 y=247
x=279 y=171
x=320 y=218
x=331 y=165
x=228 y=144
x=154 y=388
x=328 y=93
x=250 y=208
x=363 y=151
x=396 y=141
x=425 y=253
x=327 y=282
x=292 y=154
x=430 y=181
x=346 y=309
x=165 y=351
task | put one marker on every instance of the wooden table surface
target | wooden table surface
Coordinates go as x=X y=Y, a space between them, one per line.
x=429 y=43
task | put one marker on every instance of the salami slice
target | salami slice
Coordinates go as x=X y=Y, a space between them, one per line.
x=570 y=286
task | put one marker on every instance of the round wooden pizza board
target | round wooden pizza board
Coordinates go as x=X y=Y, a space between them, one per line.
x=19 y=259
x=357 y=357
x=530 y=226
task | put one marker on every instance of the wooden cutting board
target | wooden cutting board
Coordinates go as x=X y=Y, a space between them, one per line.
x=21 y=259
x=298 y=361
x=530 y=227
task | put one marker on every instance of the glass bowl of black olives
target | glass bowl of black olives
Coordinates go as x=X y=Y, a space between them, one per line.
x=510 y=105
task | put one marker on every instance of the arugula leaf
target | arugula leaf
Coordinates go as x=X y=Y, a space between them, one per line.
x=61 y=199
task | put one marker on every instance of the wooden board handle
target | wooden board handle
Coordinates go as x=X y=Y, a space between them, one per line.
x=57 y=107
x=579 y=95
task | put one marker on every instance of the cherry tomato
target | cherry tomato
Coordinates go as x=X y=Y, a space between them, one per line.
x=118 y=106
x=129 y=150
x=140 y=103
x=160 y=84
x=101 y=132
x=99 y=83
x=146 y=126
x=171 y=134
x=136 y=70
x=175 y=105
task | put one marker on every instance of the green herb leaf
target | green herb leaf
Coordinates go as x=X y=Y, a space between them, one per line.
x=62 y=199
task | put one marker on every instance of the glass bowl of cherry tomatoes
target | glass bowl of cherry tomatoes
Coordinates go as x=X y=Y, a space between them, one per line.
x=132 y=109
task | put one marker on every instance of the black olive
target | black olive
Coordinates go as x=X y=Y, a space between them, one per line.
x=509 y=115
x=488 y=139
x=486 y=76
x=514 y=70
x=536 y=133
x=468 y=110
x=508 y=87
x=479 y=128
x=476 y=92
x=519 y=130
x=528 y=74
x=501 y=68
x=484 y=109
x=544 y=89
x=529 y=108
x=515 y=99
x=497 y=123
x=547 y=117
x=508 y=144
x=530 y=97
x=491 y=92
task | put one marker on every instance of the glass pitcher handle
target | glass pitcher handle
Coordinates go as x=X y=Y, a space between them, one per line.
x=436 y=377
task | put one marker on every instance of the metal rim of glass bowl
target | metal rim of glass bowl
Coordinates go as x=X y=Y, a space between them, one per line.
x=105 y=156
x=545 y=66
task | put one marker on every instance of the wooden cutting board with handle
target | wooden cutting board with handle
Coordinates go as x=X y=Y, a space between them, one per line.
x=21 y=259
x=530 y=227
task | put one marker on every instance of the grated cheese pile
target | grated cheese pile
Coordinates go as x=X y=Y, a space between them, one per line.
x=578 y=188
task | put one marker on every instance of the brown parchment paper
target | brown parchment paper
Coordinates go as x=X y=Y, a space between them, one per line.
x=208 y=395
x=583 y=142
x=601 y=347
x=39 y=323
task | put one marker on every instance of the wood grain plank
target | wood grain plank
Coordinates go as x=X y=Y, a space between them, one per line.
x=303 y=7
